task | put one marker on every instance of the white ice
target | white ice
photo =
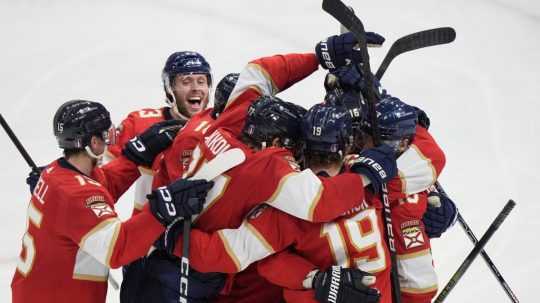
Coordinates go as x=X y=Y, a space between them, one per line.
x=480 y=93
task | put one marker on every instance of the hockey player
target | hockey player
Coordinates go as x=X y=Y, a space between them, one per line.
x=74 y=235
x=271 y=140
x=418 y=280
x=223 y=91
x=187 y=79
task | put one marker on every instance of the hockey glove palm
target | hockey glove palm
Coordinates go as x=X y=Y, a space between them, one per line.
x=342 y=285
x=437 y=219
x=144 y=148
x=179 y=199
x=377 y=164
x=337 y=51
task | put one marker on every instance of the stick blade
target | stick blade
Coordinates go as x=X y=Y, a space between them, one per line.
x=220 y=164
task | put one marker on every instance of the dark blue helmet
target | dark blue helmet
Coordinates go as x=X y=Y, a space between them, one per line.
x=327 y=129
x=396 y=119
x=223 y=91
x=76 y=121
x=270 y=117
x=184 y=63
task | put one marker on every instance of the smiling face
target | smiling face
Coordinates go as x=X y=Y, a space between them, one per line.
x=191 y=93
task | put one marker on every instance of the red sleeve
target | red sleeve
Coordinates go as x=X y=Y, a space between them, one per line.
x=264 y=76
x=315 y=199
x=89 y=219
x=299 y=296
x=293 y=269
x=265 y=232
x=117 y=176
x=419 y=166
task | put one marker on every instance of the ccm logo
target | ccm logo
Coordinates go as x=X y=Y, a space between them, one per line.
x=167 y=198
x=139 y=146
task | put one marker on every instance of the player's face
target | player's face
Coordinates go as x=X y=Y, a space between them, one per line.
x=191 y=93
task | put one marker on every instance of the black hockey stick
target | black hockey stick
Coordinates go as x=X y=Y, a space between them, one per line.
x=476 y=251
x=349 y=20
x=18 y=144
x=430 y=37
x=483 y=253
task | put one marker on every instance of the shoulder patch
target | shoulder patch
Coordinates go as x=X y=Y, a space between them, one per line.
x=98 y=205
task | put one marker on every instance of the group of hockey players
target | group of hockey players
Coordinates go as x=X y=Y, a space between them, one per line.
x=299 y=219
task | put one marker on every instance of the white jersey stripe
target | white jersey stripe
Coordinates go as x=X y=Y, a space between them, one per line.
x=416 y=272
x=245 y=245
x=100 y=241
x=256 y=77
x=298 y=194
x=415 y=170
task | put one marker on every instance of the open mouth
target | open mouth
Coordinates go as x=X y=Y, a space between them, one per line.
x=195 y=103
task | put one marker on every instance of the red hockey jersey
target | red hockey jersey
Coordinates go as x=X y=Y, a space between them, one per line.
x=74 y=234
x=134 y=124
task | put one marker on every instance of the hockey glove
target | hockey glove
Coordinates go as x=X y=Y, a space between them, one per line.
x=33 y=178
x=437 y=219
x=179 y=199
x=378 y=164
x=142 y=149
x=343 y=285
x=337 y=51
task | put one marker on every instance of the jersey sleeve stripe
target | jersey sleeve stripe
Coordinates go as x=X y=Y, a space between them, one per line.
x=245 y=245
x=88 y=268
x=417 y=274
x=415 y=171
x=99 y=242
x=256 y=77
x=304 y=188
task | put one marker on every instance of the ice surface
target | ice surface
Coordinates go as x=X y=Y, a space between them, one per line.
x=480 y=92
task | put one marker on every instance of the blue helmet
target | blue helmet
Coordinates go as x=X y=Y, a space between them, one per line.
x=270 y=117
x=327 y=129
x=183 y=63
x=223 y=90
x=396 y=120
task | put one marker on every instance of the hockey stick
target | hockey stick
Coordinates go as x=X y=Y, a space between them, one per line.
x=34 y=167
x=209 y=171
x=475 y=251
x=483 y=253
x=18 y=144
x=349 y=20
x=430 y=37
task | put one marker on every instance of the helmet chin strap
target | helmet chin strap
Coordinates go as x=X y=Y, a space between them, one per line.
x=92 y=155
x=173 y=104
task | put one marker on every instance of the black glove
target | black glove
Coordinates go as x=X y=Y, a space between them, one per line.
x=344 y=285
x=33 y=178
x=437 y=219
x=423 y=118
x=378 y=164
x=142 y=149
x=179 y=199
x=337 y=51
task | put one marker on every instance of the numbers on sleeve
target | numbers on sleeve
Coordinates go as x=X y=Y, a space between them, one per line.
x=150 y=113
x=84 y=180
x=366 y=250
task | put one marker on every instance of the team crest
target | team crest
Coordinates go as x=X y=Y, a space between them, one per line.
x=98 y=205
x=412 y=234
x=186 y=159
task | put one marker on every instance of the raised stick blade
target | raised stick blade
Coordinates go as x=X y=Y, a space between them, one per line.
x=431 y=37
x=220 y=164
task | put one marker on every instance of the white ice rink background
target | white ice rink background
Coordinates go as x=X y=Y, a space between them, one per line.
x=480 y=93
